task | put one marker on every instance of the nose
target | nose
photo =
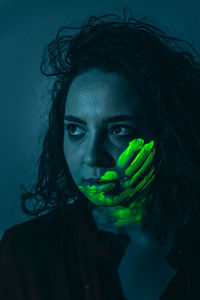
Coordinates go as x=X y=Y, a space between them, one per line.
x=96 y=154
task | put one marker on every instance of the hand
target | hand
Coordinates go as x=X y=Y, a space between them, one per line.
x=135 y=170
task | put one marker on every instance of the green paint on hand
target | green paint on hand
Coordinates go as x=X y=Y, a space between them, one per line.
x=134 y=146
x=133 y=213
x=140 y=158
x=109 y=176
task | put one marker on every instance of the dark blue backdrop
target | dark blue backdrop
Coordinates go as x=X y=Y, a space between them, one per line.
x=26 y=27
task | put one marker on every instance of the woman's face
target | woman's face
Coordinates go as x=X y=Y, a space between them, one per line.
x=103 y=113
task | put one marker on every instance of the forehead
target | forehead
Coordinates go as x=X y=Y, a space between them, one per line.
x=97 y=93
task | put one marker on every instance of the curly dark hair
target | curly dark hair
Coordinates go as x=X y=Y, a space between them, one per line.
x=166 y=72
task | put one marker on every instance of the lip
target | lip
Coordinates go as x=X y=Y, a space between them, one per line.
x=96 y=181
x=91 y=181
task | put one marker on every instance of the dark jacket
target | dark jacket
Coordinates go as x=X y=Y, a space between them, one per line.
x=49 y=259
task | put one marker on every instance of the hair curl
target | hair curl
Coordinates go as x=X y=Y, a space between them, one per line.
x=166 y=71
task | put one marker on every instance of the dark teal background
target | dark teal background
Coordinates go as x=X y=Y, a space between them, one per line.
x=25 y=28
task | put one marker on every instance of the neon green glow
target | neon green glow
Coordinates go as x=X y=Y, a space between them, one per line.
x=142 y=155
x=141 y=170
x=128 y=215
x=134 y=146
x=96 y=193
x=130 y=191
x=109 y=176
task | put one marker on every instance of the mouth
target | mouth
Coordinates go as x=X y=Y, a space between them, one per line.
x=116 y=190
x=95 y=181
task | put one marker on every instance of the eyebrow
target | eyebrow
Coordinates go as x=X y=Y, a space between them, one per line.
x=108 y=120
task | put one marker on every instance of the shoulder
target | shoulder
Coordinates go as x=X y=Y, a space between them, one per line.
x=33 y=235
x=30 y=228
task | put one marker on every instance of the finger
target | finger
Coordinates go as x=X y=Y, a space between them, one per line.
x=109 y=176
x=130 y=192
x=97 y=198
x=140 y=158
x=129 y=183
x=105 y=187
x=100 y=188
x=96 y=194
x=100 y=199
x=134 y=146
x=138 y=204
x=149 y=182
x=145 y=180
x=143 y=168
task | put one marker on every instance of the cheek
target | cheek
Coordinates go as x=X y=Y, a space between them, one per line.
x=73 y=159
x=115 y=147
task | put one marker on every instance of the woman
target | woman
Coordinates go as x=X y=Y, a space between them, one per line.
x=118 y=181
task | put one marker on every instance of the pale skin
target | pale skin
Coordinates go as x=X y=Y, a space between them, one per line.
x=103 y=114
x=128 y=204
x=94 y=147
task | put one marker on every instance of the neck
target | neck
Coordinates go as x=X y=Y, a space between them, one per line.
x=143 y=240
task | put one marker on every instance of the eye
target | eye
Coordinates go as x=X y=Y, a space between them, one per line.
x=120 y=130
x=74 y=130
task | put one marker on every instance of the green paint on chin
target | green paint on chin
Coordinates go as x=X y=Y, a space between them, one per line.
x=120 y=215
x=96 y=193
